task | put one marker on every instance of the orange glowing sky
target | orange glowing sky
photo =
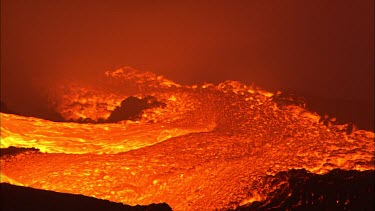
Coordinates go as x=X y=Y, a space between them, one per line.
x=322 y=48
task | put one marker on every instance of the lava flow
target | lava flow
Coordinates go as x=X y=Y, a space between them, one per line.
x=210 y=147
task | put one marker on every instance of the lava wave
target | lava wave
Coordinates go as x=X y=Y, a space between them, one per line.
x=210 y=147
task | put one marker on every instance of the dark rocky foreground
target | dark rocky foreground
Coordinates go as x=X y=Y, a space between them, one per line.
x=24 y=198
x=336 y=190
x=299 y=190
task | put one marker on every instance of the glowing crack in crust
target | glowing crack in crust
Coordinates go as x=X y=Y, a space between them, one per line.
x=209 y=148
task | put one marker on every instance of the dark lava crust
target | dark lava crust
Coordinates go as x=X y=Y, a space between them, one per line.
x=24 y=198
x=336 y=190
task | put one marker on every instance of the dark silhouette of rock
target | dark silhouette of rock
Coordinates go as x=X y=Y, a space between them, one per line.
x=132 y=108
x=284 y=99
x=4 y=108
x=25 y=198
x=84 y=120
x=12 y=151
x=336 y=190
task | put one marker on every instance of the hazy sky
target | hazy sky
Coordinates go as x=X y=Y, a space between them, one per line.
x=322 y=48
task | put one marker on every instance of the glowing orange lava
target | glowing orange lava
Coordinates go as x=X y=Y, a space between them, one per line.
x=209 y=148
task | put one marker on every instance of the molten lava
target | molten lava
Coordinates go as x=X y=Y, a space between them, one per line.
x=210 y=147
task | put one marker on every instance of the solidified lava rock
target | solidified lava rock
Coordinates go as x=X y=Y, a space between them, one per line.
x=132 y=108
x=285 y=99
x=12 y=151
x=336 y=190
x=24 y=198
